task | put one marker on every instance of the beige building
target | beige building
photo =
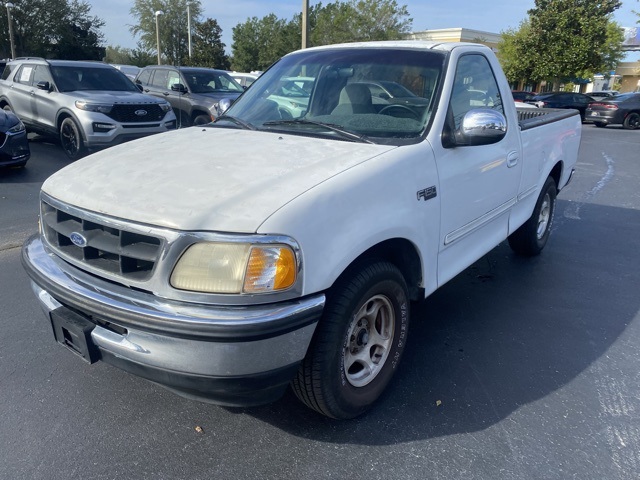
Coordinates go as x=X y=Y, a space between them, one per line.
x=630 y=73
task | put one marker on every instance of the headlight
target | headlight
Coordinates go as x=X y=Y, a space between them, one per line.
x=93 y=107
x=166 y=106
x=17 y=128
x=235 y=268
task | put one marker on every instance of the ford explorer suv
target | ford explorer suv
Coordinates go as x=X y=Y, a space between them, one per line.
x=87 y=105
x=193 y=93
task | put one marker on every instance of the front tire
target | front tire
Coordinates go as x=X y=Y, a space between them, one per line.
x=358 y=343
x=71 y=139
x=532 y=236
x=201 y=120
x=600 y=124
x=632 y=122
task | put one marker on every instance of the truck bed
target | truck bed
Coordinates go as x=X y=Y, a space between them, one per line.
x=534 y=117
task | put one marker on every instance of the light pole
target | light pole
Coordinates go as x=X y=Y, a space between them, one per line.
x=305 y=24
x=13 y=45
x=189 y=27
x=157 y=14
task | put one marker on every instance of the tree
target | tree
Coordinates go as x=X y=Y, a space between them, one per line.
x=139 y=57
x=568 y=38
x=257 y=43
x=207 y=46
x=515 y=60
x=54 y=29
x=172 y=25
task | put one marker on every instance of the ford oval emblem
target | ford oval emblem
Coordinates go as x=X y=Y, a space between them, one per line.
x=140 y=113
x=78 y=239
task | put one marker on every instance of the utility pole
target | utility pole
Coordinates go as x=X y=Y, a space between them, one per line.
x=189 y=27
x=13 y=45
x=305 y=24
x=157 y=14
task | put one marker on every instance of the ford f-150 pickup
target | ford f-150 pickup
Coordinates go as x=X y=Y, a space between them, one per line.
x=270 y=248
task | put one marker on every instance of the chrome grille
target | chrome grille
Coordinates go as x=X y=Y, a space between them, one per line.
x=120 y=252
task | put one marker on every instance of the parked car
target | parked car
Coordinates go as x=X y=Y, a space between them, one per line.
x=292 y=95
x=623 y=109
x=522 y=96
x=193 y=92
x=86 y=104
x=130 y=71
x=387 y=93
x=244 y=79
x=604 y=94
x=14 y=147
x=280 y=251
x=577 y=101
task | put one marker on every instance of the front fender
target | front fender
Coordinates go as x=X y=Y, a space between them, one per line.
x=348 y=214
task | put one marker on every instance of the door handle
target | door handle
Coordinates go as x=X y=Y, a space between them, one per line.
x=512 y=159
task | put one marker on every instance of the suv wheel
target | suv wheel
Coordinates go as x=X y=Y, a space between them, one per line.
x=71 y=139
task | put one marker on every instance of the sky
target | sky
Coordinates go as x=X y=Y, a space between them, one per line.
x=491 y=16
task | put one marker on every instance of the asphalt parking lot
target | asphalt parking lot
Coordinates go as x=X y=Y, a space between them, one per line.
x=516 y=369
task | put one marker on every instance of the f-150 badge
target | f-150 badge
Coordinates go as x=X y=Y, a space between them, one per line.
x=427 y=193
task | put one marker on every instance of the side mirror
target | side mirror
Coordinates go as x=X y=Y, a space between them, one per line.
x=481 y=126
x=178 y=87
x=140 y=87
x=223 y=105
x=46 y=86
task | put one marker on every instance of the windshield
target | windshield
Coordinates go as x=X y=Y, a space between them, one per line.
x=72 y=78
x=334 y=93
x=208 y=82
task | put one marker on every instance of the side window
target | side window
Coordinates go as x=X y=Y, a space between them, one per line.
x=144 y=77
x=474 y=86
x=24 y=74
x=41 y=74
x=172 y=79
x=160 y=79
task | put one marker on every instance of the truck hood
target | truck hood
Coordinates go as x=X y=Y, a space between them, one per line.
x=204 y=178
x=100 y=96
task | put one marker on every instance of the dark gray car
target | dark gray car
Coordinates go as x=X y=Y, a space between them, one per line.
x=193 y=92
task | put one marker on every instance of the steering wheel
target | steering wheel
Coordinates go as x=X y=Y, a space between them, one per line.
x=402 y=110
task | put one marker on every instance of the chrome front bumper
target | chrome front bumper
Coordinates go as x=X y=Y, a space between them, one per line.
x=227 y=355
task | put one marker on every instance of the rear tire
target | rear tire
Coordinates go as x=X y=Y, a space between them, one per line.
x=600 y=124
x=632 y=122
x=71 y=139
x=358 y=342
x=532 y=236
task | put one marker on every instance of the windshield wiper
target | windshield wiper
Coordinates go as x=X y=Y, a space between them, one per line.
x=237 y=121
x=328 y=126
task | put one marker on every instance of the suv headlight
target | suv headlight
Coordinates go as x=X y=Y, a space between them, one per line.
x=93 y=107
x=235 y=268
x=166 y=106
x=17 y=128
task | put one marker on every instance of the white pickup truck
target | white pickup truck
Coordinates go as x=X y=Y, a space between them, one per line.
x=231 y=260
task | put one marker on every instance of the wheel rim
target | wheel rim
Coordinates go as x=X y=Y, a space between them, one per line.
x=634 y=121
x=69 y=139
x=544 y=217
x=369 y=341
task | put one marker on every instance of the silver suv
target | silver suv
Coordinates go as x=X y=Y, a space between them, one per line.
x=87 y=104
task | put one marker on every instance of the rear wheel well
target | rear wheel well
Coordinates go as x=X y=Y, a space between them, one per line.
x=556 y=173
x=404 y=255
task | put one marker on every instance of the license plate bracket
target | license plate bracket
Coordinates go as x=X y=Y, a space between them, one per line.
x=73 y=331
